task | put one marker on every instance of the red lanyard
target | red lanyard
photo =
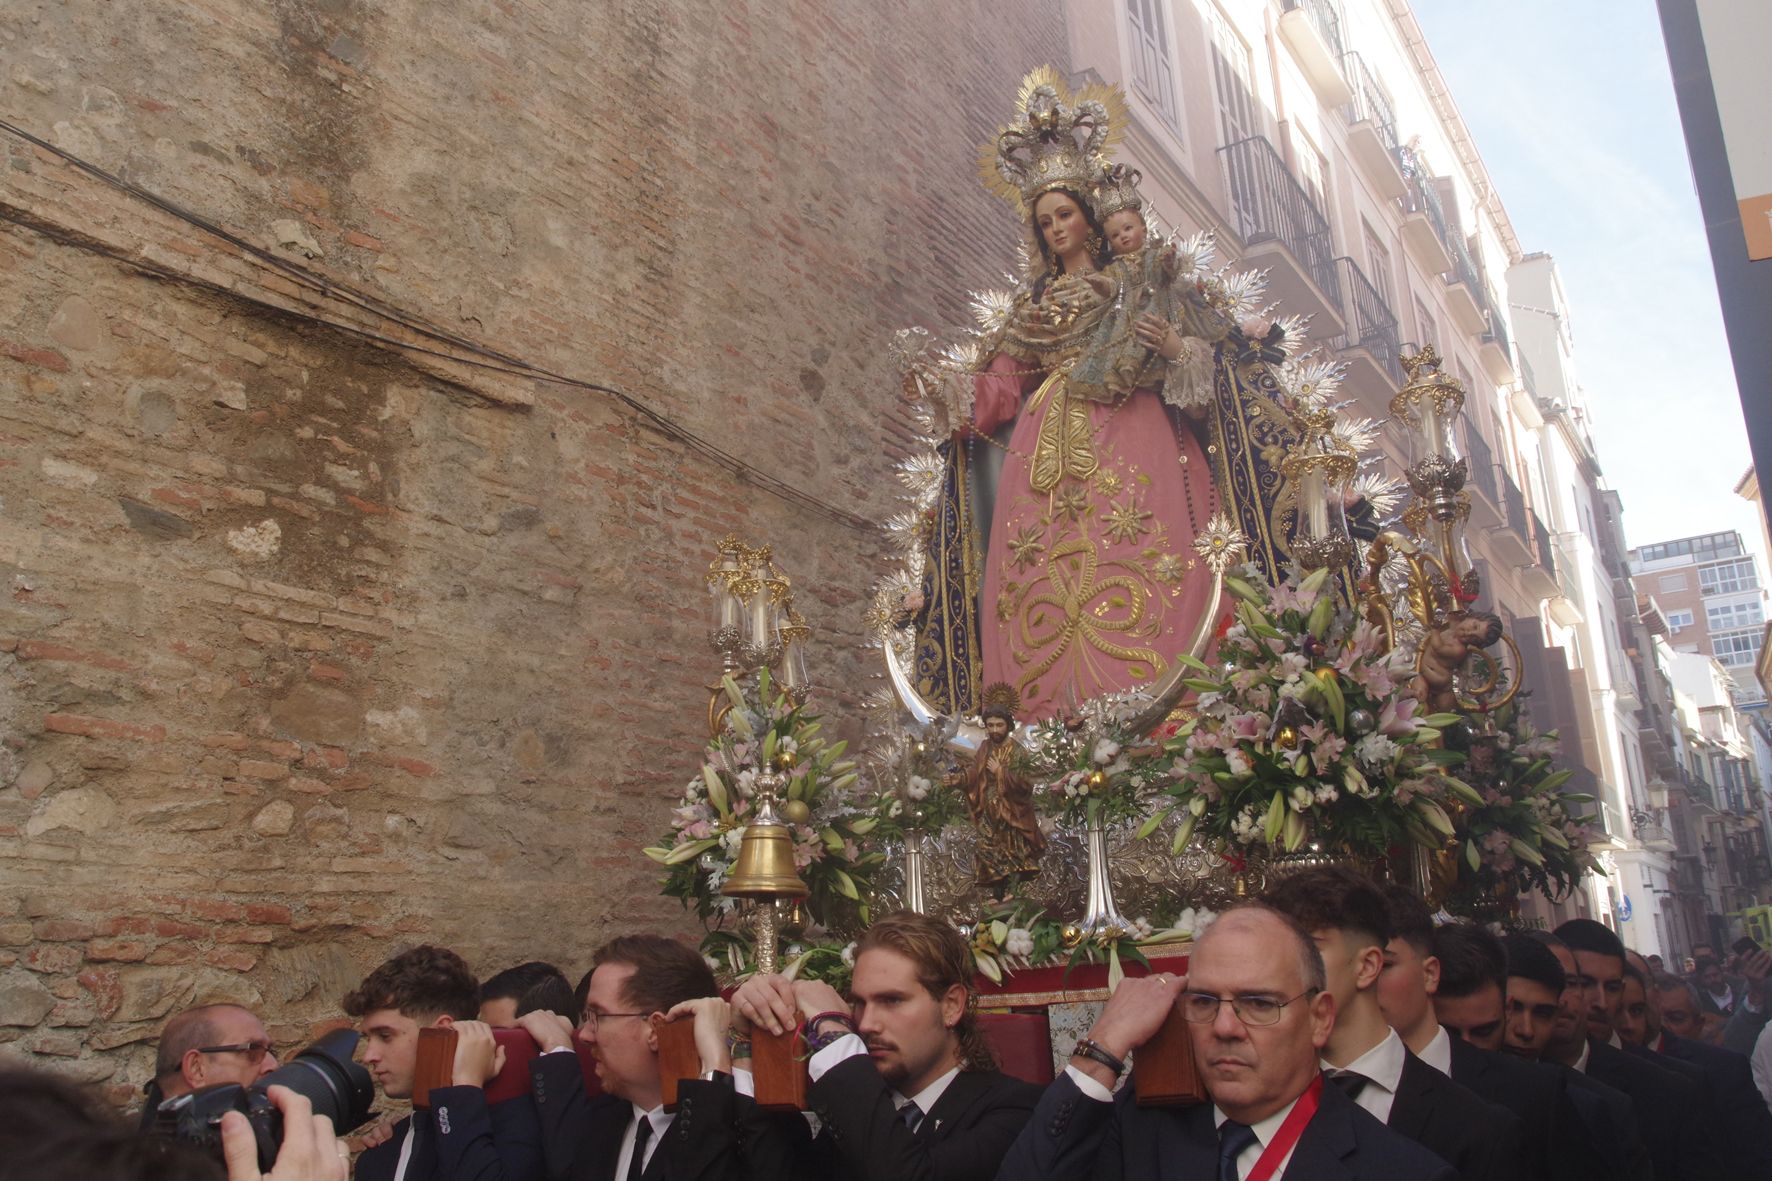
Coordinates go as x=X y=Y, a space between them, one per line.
x=1287 y=1137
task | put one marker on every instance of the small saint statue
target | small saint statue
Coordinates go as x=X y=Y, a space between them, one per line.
x=1000 y=798
x=1444 y=652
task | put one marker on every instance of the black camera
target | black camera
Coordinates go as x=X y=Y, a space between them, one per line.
x=324 y=1072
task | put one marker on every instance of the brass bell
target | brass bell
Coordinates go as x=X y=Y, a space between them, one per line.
x=765 y=866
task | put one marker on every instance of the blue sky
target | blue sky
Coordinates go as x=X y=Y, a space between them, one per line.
x=1572 y=109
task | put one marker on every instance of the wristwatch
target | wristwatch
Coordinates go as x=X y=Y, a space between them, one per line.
x=1092 y=1050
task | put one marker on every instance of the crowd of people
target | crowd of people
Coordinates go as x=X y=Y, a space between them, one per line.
x=1337 y=1030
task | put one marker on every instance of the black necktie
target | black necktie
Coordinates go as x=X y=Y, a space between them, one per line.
x=912 y=1115
x=1350 y=1082
x=1233 y=1138
x=637 y=1164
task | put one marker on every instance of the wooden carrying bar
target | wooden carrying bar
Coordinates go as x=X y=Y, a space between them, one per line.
x=1164 y=1073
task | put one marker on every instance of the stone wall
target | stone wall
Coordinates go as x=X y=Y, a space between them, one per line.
x=312 y=646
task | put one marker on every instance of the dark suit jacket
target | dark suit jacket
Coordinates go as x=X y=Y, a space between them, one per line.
x=1739 y=1107
x=462 y=1139
x=1683 y=1139
x=581 y=1136
x=1072 y=1137
x=962 y=1138
x=1482 y=1141
x=1610 y=1122
x=1536 y=1094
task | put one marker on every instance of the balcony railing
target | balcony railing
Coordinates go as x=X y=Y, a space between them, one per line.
x=1541 y=542
x=1421 y=198
x=1269 y=204
x=1370 y=102
x=1514 y=506
x=1371 y=324
x=1482 y=466
x=1464 y=270
x=1497 y=330
x=1325 y=17
x=1526 y=378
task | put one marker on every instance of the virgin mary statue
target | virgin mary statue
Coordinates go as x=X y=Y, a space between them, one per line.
x=1084 y=497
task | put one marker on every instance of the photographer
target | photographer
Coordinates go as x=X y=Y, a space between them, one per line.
x=204 y=1046
x=460 y=1136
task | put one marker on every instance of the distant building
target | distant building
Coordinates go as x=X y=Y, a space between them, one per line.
x=1713 y=594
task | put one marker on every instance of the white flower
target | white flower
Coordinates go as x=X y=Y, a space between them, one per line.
x=787 y=744
x=1302 y=798
x=1375 y=750
x=1292 y=665
x=1019 y=942
x=917 y=787
x=1326 y=794
x=1237 y=762
x=711 y=962
x=1105 y=751
x=746 y=781
x=1141 y=928
x=1186 y=919
x=848 y=953
x=895 y=809
x=732 y=839
x=1246 y=827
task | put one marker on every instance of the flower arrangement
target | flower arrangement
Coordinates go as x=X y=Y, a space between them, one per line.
x=825 y=814
x=1018 y=936
x=1306 y=730
x=1091 y=768
x=1523 y=834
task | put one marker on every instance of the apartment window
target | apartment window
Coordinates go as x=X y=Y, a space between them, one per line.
x=1231 y=71
x=1679 y=620
x=1735 y=649
x=1378 y=262
x=1733 y=615
x=1425 y=327
x=1725 y=577
x=1153 y=74
x=1672 y=583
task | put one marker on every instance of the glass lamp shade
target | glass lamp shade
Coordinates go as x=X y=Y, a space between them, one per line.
x=1319 y=477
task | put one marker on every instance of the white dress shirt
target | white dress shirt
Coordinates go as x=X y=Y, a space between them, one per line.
x=1383 y=1067
x=405 y=1151
x=1580 y=1064
x=661 y=1121
x=1438 y=1053
x=1265 y=1130
x=850 y=1045
x=1762 y=1064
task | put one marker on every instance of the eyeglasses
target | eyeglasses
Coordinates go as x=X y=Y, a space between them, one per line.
x=592 y=1017
x=255 y=1051
x=1202 y=1007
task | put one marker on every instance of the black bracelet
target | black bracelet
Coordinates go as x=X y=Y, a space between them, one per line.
x=1092 y=1050
x=816 y=1041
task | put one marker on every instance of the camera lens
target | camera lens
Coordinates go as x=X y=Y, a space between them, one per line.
x=335 y=1085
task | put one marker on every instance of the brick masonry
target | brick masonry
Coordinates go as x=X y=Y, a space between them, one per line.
x=307 y=653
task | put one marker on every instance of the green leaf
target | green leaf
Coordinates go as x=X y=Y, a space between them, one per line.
x=845 y=885
x=733 y=693
x=768 y=747
x=989 y=966
x=1201 y=685
x=999 y=931
x=864 y=825
x=1554 y=836
x=657 y=853
x=1313 y=582
x=1434 y=815
x=1335 y=699
x=1116 y=972
x=1194 y=662
x=1473 y=857
x=1441 y=721
x=1554 y=780
x=1320 y=617
x=1241 y=589
x=1153 y=822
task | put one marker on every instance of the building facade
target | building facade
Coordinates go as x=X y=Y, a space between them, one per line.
x=1713 y=593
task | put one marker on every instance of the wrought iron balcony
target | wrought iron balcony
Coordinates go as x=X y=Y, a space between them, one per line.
x=1424 y=220
x=1271 y=210
x=1497 y=352
x=1312 y=29
x=1372 y=128
x=1372 y=328
x=1482 y=469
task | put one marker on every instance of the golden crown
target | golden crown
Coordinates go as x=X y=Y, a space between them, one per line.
x=1118 y=190
x=1057 y=140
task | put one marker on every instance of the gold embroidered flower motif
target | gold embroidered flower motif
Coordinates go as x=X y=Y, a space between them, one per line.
x=1027 y=547
x=1109 y=483
x=1127 y=522
x=1169 y=568
x=1071 y=502
x=1006 y=600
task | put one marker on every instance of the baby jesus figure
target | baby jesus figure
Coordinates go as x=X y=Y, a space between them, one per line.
x=1151 y=288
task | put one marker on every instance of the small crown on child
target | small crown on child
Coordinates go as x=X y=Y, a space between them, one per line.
x=1118 y=191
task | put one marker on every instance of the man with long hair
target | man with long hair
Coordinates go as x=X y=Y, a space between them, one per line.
x=901 y=1075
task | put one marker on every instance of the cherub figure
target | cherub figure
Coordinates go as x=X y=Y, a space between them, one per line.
x=1444 y=652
